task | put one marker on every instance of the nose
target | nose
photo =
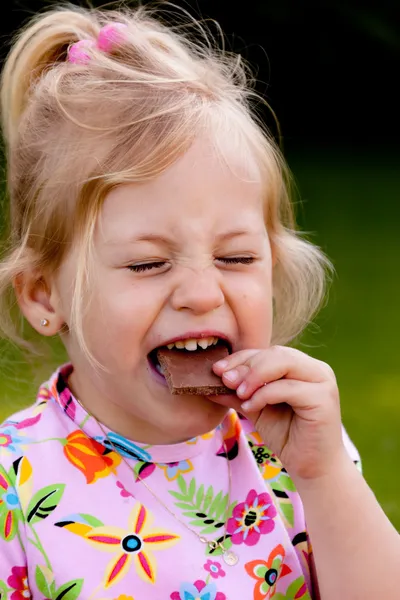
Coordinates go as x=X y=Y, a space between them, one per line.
x=198 y=291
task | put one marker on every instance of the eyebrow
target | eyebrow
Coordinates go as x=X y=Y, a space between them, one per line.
x=166 y=241
x=145 y=237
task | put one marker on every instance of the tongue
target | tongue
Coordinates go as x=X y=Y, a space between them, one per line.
x=191 y=372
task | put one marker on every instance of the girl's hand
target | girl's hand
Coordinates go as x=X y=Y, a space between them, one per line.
x=293 y=401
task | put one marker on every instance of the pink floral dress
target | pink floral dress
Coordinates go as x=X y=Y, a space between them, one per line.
x=77 y=522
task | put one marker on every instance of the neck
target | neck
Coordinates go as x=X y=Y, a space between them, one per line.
x=119 y=421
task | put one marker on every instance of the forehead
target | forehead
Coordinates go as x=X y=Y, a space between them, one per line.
x=208 y=188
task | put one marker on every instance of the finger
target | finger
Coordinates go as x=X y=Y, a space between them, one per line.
x=233 y=360
x=234 y=377
x=280 y=362
x=303 y=397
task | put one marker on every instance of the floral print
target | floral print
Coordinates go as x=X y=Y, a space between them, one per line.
x=18 y=581
x=297 y=590
x=90 y=456
x=252 y=518
x=11 y=440
x=6 y=439
x=135 y=544
x=267 y=573
x=174 y=469
x=199 y=590
x=125 y=447
x=124 y=492
x=9 y=509
x=77 y=521
x=230 y=448
x=215 y=569
x=60 y=390
x=276 y=476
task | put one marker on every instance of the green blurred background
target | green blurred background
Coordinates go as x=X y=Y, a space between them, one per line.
x=328 y=72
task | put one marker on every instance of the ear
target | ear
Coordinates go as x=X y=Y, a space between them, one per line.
x=39 y=302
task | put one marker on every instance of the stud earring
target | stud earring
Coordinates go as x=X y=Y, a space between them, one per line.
x=44 y=322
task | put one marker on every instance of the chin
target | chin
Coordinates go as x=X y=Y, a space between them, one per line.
x=205 y=416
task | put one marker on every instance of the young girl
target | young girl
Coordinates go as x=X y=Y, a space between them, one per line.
x=149 y=210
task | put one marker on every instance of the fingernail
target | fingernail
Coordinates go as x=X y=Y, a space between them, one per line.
x=241 y=389
x=246 y=405
x=222 y=364
x=231 y=375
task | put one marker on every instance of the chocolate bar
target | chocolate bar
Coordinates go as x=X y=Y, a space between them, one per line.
x=190 y=372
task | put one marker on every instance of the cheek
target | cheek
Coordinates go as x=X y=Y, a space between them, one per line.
x=121 y=315
x=254 y=312
x=135 y=303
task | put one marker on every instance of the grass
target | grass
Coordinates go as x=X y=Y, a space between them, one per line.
x=352 y=202
x=352 y=205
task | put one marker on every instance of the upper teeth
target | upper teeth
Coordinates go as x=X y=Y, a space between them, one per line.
x=191 y=344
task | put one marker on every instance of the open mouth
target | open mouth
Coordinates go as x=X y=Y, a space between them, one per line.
x=188 y=345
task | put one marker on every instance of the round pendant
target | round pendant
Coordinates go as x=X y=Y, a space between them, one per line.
x=230 y=558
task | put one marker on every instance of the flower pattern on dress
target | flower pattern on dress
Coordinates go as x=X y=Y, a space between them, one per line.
x=215 y=569
x=18 y=581
x=53 y=481
x=297 y=590
x=61 y=391
x=267 y=573
x=121 y=597
x=172 y=470
x=125 y=447
x=252 y=518
x=90 y=456
x=5 y=440
x=133 y=545
x=231 y=439
x=143 y=469
x=11 y=440
x=124 y=492
x=204 y=436
x=37 y=411
x=9 y=510
x=199 y=590
x=276 y=475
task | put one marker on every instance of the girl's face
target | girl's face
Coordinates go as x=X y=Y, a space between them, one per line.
x=183 y=256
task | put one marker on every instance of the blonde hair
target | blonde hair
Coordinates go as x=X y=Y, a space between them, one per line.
x=134 y=111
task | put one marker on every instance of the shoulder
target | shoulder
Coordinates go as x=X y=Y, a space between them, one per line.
x=24 y=427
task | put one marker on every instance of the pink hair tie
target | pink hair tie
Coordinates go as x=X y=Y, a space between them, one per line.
x=111 y=36
x=77 y=53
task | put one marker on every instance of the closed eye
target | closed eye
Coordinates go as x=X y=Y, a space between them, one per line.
x=235 y=260
x=231 y=260
x=140 y=268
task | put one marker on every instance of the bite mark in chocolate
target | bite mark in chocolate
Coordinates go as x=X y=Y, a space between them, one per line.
x=190 y=372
